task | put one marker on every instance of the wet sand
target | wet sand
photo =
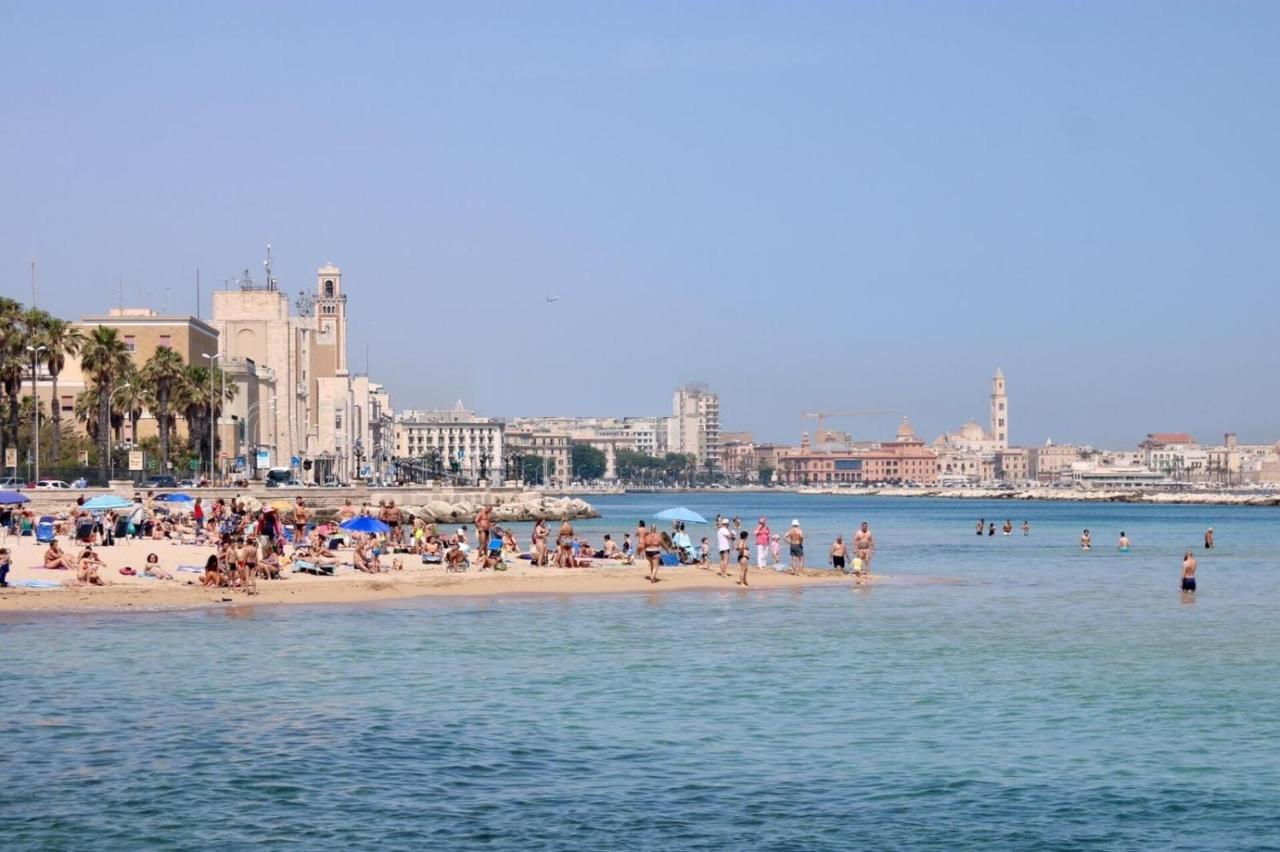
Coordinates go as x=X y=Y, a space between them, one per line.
x=349 y=586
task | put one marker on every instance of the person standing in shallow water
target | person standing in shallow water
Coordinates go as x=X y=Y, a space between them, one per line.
x=1188 y=572
x=1208 y=539
x=1124 y=542
x=1085 y=541
x=1026 y=528
x=982 y=524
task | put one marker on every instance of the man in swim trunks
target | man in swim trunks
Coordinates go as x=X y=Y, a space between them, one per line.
x=653 y=552
x=1085 y=541
x=1124 y=542
x=483 y=522
x=1208 y=539
x=864 y=545
x=795 y=538
x=838 y=554
x=1189 y=572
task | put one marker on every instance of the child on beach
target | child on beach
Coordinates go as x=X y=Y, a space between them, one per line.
x=775 y=551
x=704 y=552
x=4 y=567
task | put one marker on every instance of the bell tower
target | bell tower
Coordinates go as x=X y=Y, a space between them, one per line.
x=999 y=411
x=330 y=312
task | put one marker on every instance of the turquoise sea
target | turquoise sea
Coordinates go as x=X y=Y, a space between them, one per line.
x=1008 y=693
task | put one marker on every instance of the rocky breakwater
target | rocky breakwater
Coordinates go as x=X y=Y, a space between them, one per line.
x=527 y=506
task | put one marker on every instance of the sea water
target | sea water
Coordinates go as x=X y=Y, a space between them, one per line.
x=996 y=692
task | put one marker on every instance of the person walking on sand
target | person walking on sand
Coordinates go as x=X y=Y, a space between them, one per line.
x=1189 y=572
x=762 y=541
x=795 y=540
x=1208 y=539
x=838 y=553
x=300 y=518
x=484 y=520
x=653 y=552
x=864 y=547
x=724 y=542
x=744 y=558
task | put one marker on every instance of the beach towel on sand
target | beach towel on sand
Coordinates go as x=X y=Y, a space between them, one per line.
x=36 y=584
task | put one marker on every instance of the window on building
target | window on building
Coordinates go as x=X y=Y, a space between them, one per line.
x=130 y=343
x=68 y=403
x=166 y=340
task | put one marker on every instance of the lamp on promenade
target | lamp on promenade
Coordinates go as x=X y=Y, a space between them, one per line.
x=35 y=405
x=111 y=456
x=212 y=418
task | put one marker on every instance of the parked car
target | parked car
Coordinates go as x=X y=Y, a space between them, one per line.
x=163 y=480
x=52 y=484
x=12 y=482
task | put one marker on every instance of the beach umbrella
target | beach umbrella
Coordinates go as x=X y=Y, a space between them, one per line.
x=680 y=513
x=9 y=498
x=105 y=502
x=175 y=497
x=280 y=505
x=365 y=524
x=251 y=504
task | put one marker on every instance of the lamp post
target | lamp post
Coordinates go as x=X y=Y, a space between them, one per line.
x=111 y=457
x=248 y=426
x=212 y=419
x=35 y=405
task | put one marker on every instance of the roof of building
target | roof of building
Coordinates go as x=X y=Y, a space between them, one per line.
x=1171 y=438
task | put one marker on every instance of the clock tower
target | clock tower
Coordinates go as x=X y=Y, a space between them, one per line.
x=330 y=317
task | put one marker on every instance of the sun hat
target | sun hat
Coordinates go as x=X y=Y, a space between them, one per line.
x=795 y=523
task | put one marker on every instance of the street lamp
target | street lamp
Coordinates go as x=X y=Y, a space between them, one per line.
x=212 y=419
x=248 y=425
x=35 y=403
x=111 y=457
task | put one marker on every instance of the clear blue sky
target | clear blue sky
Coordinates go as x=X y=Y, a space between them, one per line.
x=847 y=205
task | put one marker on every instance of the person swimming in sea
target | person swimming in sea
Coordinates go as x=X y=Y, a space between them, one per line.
x=992 y=530
x=1189 y=572
x=982 y=524
x=1026 y=528
x=1007 y=529
x=1124 y=542
x=1085 y=541
x=1208 y=539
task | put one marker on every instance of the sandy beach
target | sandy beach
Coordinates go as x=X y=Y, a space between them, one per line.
x=348 y=586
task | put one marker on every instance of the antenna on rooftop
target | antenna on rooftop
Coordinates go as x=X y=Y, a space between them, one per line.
x=272 y=283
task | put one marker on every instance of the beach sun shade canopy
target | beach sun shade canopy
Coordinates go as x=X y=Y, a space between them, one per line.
x=365 y=524
x=9 y=498
x=105 y=502
x=680 y=513
x=175 y=497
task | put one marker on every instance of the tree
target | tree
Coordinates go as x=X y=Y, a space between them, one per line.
x=588 y=462
x=104 y=359
x=199 y=397
x=531 y=468
x=162 y=373
x=15 y=336
x=60 y=340
x=766 y=474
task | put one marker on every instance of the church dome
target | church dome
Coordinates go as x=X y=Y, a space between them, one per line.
x=972 y=432
x=905 y=430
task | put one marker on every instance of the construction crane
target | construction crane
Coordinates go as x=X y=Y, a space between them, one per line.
x=820 y=435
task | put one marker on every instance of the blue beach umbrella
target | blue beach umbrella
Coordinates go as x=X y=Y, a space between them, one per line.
x=105 y=502
x=9 y=498
x=680 y=513
x=365 y=524
x=175 y=497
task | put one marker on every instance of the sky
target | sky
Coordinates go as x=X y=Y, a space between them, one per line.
x=841 y=206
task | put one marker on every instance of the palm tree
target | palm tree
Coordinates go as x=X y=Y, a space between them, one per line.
x=163 y=371
x=199 y=396
x=130 y=402
x=14 y=339
x=59 y=339
x=104 y=359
